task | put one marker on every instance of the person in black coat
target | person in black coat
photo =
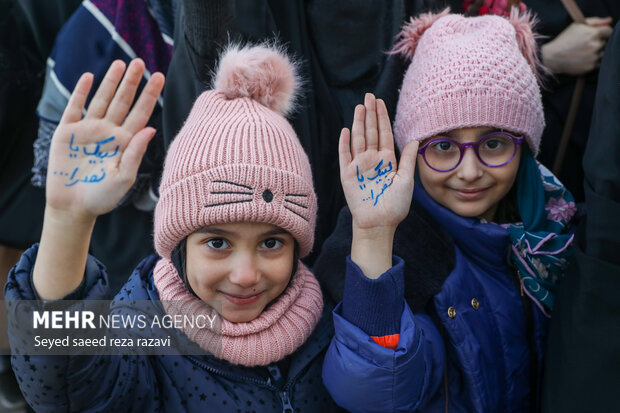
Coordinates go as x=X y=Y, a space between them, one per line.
x=583 y=361
x=571 y=50
x=27 y=32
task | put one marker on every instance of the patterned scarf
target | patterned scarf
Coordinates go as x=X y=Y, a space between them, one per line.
x=541 y=244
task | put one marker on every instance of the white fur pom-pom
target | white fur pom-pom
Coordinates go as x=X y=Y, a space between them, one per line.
x=263 y=73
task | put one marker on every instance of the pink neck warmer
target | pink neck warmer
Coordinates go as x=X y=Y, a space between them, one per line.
x=277 y=332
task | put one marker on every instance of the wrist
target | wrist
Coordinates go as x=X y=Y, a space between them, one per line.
x=547 y=52
x=371 y=250
x=382 y=233
x=73 y=219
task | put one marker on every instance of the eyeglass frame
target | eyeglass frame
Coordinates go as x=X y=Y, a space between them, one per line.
x=518 y=141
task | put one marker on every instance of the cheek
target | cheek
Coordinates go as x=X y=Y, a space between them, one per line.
x=279 y=270
x=506 y=176
x=283 y=271
x=202 y=273
x=432 y=181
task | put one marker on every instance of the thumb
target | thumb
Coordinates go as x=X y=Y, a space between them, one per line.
x=132 y=156
x=406 y=167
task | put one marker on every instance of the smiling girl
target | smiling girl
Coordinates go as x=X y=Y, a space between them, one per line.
x=445 y=301
x=236 y=211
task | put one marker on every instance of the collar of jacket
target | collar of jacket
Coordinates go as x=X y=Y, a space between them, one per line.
x=487 y=244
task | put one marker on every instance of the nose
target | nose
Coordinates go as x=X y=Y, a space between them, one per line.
x=245 y=272
x=470 y=168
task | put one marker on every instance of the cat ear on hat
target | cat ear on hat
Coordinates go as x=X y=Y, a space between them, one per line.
x=524 y=23
x=412 y=32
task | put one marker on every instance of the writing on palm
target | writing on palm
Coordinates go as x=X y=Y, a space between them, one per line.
x=95 y=154
x=374 y=184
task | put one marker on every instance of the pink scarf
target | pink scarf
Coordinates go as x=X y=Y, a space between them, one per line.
x=277 y=332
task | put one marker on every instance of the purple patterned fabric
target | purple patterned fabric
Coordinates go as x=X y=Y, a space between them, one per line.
x=135 y=24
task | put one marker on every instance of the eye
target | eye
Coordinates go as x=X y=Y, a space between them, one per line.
x=493 y=143
x=443 y=146
x=271 y=244
x=218 y=243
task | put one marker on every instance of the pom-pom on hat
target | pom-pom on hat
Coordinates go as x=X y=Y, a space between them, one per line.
x=236 y=158
x=468 y=72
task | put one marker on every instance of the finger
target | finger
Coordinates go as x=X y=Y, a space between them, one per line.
x=406 y=167
x=598 y=21
x=604 y=32
x=344 y=150
x=598 y=46
x=132 y=156
x=370 y=124
x=99 y=104
x=142 y=110
x=358 y=144
x=386 y=139
x=126 y=92
x=75 y=106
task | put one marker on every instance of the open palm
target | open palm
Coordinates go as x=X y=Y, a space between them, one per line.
x=94 y=159
x=377 y=189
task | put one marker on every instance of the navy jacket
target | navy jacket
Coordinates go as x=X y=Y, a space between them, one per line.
x=162 y=383
x=469 y=333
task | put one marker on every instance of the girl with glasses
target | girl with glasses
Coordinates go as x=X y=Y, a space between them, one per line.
x=445 y=263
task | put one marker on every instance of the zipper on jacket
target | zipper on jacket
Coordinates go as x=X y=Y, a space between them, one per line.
x=213 y=370
x=287 y=407
x=446 y=386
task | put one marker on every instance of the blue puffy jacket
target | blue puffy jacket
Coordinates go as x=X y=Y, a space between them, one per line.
x=162 y=383
x=471 y=344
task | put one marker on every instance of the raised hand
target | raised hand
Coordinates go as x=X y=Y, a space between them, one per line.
x=93 y=162
x=377 y=188
x=94 y=159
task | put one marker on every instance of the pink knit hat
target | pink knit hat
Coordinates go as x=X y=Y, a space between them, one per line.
x=237 y=159
x=466 y=72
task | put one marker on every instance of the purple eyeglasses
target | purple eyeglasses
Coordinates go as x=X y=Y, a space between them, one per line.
x=493 y=150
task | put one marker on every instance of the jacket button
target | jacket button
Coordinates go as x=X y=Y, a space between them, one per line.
x=451 y=312
x=475 y=304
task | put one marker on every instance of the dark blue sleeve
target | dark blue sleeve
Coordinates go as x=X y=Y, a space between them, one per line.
x=359 y=372
x=374 y=305
x=19 y=285
x=80 y=383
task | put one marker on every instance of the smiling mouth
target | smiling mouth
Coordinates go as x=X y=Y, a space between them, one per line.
x=242 y=299
x=470 y=193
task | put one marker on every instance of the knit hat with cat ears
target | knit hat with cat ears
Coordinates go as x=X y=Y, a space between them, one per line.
x=467 y=72
x=236 y=158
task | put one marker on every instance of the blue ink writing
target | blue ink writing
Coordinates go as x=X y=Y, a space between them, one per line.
x=377 y=180
x=385 y=186
x=357 y=171
x=86 y=179
x=73 y=148
x=97 y=152
x=380 y=171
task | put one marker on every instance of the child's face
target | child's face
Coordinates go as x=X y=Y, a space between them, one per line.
x=472 y=189
x=244 y=265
